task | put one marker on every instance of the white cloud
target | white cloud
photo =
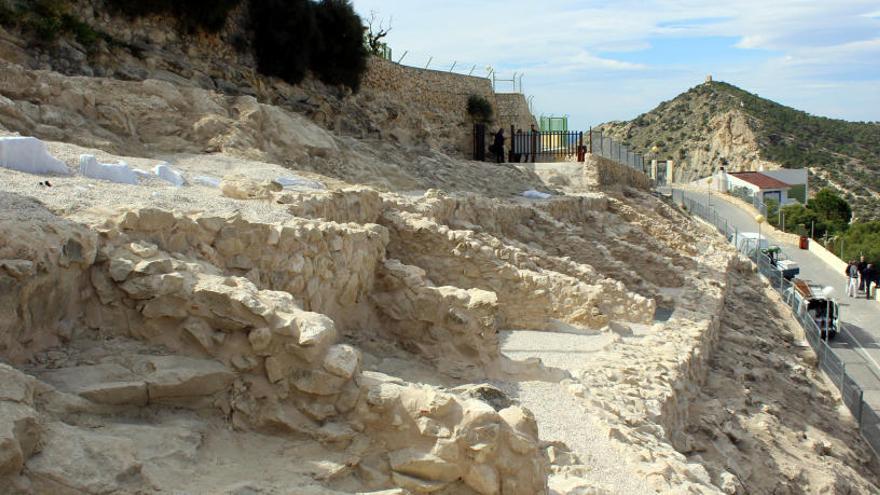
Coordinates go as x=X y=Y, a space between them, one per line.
x=808 y=48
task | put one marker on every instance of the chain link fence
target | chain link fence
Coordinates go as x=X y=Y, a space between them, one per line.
x=816 y=333
x=607 y=147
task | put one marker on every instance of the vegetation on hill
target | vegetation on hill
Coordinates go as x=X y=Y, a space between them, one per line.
x=192 y=15
x=840 y=154
x=290 y=37
x=827 y=217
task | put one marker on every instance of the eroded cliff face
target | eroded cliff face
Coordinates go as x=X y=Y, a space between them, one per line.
x=698 y=148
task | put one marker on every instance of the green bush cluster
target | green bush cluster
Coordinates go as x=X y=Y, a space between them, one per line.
x=296 y=36
x=479 y=109
x=46 y=20
x=290 y=37
x=193 y=15
x=827 y=214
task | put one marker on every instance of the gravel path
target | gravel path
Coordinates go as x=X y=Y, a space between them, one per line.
x=564 y=417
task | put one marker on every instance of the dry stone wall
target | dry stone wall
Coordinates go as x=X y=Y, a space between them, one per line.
x=441 y=97
x=513 y=109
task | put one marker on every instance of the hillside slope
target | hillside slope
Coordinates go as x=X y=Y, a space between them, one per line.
x=716 y=124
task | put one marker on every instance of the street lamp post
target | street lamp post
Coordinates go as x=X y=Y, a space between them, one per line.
x=827 y=292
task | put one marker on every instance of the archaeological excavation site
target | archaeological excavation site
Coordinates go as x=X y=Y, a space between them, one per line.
x=213 y=281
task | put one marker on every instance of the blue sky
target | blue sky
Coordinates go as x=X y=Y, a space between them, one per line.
x=612 y=60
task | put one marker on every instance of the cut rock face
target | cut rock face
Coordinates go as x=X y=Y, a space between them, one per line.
x=140 y=380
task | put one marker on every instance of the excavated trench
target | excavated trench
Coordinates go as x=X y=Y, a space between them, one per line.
x=373 y=340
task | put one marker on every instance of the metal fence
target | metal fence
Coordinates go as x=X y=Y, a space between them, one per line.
x=607 y=147
x=853 y=395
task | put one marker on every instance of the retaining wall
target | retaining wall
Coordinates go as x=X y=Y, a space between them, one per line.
x=609 y=173
x=513 y=109
x=441 y=99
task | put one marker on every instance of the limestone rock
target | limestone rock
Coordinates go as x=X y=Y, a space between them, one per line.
x=483 y=478
x=423 y=465
x=86 y=461
x=242 y=187
x=342 y=360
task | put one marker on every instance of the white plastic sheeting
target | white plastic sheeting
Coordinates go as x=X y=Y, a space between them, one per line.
x=29 y=154
x=114 y=172
x=207 y=180
x=532 y=194
x=299 y=183
x=168 y=174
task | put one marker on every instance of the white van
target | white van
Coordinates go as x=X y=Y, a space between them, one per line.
x=747 y=242
x=809 y=298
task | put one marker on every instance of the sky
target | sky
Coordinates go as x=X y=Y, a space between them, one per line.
x=613 y=60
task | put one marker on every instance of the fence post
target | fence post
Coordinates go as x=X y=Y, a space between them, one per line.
x=533 y=137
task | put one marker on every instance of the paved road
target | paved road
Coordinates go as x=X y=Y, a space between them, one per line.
x=858 y=345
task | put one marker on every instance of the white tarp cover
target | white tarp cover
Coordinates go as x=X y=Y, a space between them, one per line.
x=299 y=182
x=120 y=172
x=207 y=180
x=532 y=194
x=29 y=154
x=168 y=174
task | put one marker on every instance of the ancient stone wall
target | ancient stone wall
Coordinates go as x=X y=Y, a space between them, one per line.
x=513 y=109
x=441 y=98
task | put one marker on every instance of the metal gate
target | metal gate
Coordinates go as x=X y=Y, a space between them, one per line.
x=547 y=146
x=661 y=173
x=480 y=142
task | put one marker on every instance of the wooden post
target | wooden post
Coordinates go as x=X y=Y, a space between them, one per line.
x=591 y=140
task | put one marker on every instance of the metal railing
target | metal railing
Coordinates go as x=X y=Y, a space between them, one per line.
x=607 y=147
x=852 y=394
x=546 y=146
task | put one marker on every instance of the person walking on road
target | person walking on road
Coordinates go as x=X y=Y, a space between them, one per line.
x=869 y=276
x=862 y=266
x=852 y=274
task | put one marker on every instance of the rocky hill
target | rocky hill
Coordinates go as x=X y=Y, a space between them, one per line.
x=716 y=124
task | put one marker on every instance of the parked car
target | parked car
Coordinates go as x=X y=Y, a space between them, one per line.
x=789 y=268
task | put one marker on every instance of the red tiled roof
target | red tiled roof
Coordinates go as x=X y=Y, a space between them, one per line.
x=760 y=180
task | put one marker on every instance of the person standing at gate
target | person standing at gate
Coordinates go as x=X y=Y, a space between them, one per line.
x=852 y=274
x=498 y=146
x=869 y=276
x=862 y=266
x=516 y=143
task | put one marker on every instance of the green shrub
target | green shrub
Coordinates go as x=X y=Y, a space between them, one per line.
x=282 y=44
x=192 y=15
x=300 y=35
x=339 y=56
x=479 y=109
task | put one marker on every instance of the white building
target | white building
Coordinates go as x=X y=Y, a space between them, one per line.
x=759 y=185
